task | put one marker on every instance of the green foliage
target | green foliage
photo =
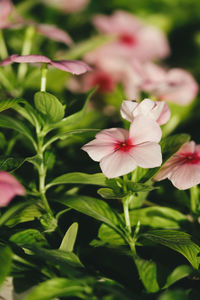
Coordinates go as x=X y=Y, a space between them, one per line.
x=6 y=262
x=69 y=238
x=49 y=106
x=8 y=103
x=28 y=237
x=178 y=241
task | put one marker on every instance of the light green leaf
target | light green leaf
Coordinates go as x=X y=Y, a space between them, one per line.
x=29 y=113
x=147 y=270
x=28 y=237
x=10 y=163
x=13 y=211
x=25 y=215
x=59 y=287
x=8 y=103
x=49 y=106
x=177 y=294
x=69 y=238
x=80 y=178
x=178 y=273
x=94 y=208
x=178 y=241
x=6 y=262
x=107 y=193
x=109 y=236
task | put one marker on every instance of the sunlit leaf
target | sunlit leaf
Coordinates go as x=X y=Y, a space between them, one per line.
x=69 y=238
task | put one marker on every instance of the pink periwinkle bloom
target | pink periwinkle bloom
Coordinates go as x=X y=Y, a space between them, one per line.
x=9 y=188
x=120 y=151
x=133 y=38
x=183 y=168
x=174 y=85
x=72 y=66
x=156 y=110
x=68 y=6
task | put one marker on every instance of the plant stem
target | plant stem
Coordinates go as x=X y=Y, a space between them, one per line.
x=26 y=49
x=194 y=198
x=126 y=214
x=3 y=48
x=42 y=174
x=43 y=77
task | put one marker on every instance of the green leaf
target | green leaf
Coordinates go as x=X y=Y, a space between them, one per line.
x=109 y=194
x=69 y=238
x=28 y=237
x=109 y=236
x=177 y=294
x=8 y=103
x=6 y=262
x=177 y=274
x=59 y=287
x=157 y=217
x=76 y=117
x=58 y=257
x=94 y=208
x=29 y=113
x=169 y=146
x=80 y=178
x=178 y=241
x=13 y=211
x=49 y=106
x=10 y=163
x=27 y=214
x=147 y=270
x=12 y=123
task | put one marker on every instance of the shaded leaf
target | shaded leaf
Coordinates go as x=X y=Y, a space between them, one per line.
x=6 y=262
x=8 y=103
x=177 y=274
x=28 y=237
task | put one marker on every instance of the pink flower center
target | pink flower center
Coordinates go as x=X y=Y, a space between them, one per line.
x=127 y=39
x=190 y=158
x=124 y=146
x=104 y=81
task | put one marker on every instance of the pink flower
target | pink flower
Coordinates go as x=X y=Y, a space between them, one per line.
x=6 y=8
x=72 y=66
x=67 y=6
x=174 y=85
x=134 y=39
x=120 y=151
x=183 y=168
x=156 y=110
x=9 y=188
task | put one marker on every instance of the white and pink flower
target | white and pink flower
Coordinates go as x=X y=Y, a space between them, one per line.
x=120 y=151
x=183 y=168
x=156 y=110
x=9 y=188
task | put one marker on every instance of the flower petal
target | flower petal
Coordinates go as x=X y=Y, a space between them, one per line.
x=113 y=135
x=54 y=33
x=144 y=129
x=75 y=67
x=117 y=164
x=186 y=176
x=31 y=59
x=8 y=60
x=97 y=149
x=147 y=155
x=127 y=109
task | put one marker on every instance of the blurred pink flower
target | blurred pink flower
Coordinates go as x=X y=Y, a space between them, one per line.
x=68 y=6
x=183 y=168
x=120 y=151
x=134 y=39
x=174 y=85
x=156 y=110
x=72 y=66
x=6 y=8
x=9 y=188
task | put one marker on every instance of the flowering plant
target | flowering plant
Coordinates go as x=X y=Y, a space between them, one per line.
x=89 y=132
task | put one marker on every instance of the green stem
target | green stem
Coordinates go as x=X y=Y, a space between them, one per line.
x=44 y=71
x=26 y=49
x=42 y=174
x=194 y=198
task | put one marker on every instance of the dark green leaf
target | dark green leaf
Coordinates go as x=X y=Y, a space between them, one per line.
x=69 y=238
x=109 y=236
x=94 y=208
x=59 y=287
x=80 y=178
x=178 y=241
x=27 y=214
x=6 y=262
x=109 y=194
x=10 y=163
x=49 y=106
x=28 y=237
